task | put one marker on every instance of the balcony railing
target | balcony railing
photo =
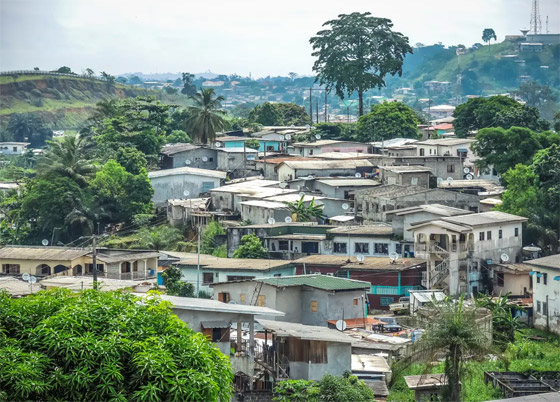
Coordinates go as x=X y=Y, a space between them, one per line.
x=393 y=290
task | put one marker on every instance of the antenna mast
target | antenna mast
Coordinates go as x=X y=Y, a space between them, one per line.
x=535 y=18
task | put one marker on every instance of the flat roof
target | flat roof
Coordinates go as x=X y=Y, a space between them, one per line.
x=446 y=141
x=407 y=169
x=239 y=150
x=265 y=204
x=244 y=186
x=342 y=155
x=208 y=305
x=321 y=143
x=485 y=218
x=328 y=164
x=437 y=209
x=369 y=263
x=393 y=142
x=306 y=332
x=171 y=149
x=552 y=261
x=488 y=185
x=234 y=264
x=323 y=282
x=41 y=253
x=392 y=190
x=16 y=287
x=86 y=282
x=366 y=230
x=187 y=171
x=350 y=182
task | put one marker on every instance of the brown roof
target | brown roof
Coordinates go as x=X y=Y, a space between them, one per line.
x=277 y=161
x=41 y=253
x=370 y=263
x=245 y=264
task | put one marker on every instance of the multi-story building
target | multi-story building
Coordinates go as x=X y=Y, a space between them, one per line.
x=546 y=292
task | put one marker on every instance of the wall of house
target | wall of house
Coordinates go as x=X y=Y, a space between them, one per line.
x=494 y=248
x=407 y=179
x=370 y=240
x=195 y=156
x=267 y=170
x=11 y=149
x=329 y=306
x=542 y=293
x=517 y=285
x=336 y=192
x=260 y=215
x=174 y=186
x=339 y=357
x=295 y=247
x=286 y=173
x=222 y=200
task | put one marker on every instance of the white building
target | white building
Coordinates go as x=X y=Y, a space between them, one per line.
x=546 y=292
x=441 y=111
x=13 y=148
x=367 y=240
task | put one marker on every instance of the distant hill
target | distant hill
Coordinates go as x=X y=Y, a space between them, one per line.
x=62 y=101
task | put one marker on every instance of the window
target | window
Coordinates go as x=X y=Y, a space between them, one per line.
x=283 y=245
x=430 y=151
x=355 y=302
x=314 y=306
x=261 y=301
x=385 y=301
x=270 y=147
x=538 y=306
x=398 y=248
x=545 y=308
x=422 y=151
x=361 y=248
x=340 y=248
x=544 y=278
x=207 y=277
x=277 y=275
x=450 y=168
x=538 y=275
x=481 y=236
x=500 y=279
x=242 y=297
x=10 y=268
x=239 y=278
x=15 y=149
x=210 y=159
x=381 y=248
x=223 y=297
x=207 y=186
x=414 y=181
x=516 y=232
x=489 y=235
x=500 y=234
x=310 y=152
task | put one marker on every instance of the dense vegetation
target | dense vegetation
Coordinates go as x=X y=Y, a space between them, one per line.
x=347 y=388
x=94 y=345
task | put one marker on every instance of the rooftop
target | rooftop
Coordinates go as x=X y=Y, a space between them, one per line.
x=207 y=305
x=446 y=141
x=86 y=282
x=407 y=169
x=342 y=155
x=443 y=126
x=364 y=230
x=394 y=142
x=239 y=150
x=487 y=185
x=552 y=261
x=172 y=149
x=323 y=282
x=280 y=159
x=244 y=186
x=425 y=381
x=485 y=218
x=369 y=263
x=187 y=171
x=370 y=363
x=41 y=253
x=328 y=164
x=265 y=204
x=436 y=209
x=350 y=182
x=16 y=287
x=305 y=332
x=234 y=264
x=321 y=143
x=392 y=191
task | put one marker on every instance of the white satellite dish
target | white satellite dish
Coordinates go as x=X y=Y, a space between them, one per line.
x=310 y=177
x=32 y=280
x=358 y=175
x=188 y=162
x=288 y=137
x=45 y=242
x=218 y=144
x=504 y=257
x=271 y=221
x=466 y=170
x=345 y=206
x=25 y=276
x=302 y=194
x=204 y=159
x=318 y=136
x=449 y=180
x=283 y=185
x=186 y=193
x=439 y=180
x=360 y=258
x=288 y=219
x=394 y=256
x=469 y=177
x=341 y=325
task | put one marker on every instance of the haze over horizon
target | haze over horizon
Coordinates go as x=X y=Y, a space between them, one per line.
x=229 y=37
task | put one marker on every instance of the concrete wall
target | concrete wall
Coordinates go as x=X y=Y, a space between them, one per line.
x=494 y=248
x=174 y=186
x=260 y=215
x=286 y=173
x=419 y=179
x=542 y=293
x=370 y=240
x=12 y=149
x=195 y=156
x=514 y=284
x=233 y=162
x=339 y=357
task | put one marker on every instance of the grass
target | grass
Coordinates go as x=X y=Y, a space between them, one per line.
x=524 y=355
x=49 y=105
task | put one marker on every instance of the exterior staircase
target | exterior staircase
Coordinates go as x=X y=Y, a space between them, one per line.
x=439 y=273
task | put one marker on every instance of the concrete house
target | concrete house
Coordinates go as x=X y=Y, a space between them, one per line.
x=13 y=148
x=190 y=155
x=406 y=175
x=546 y=292
x=374 y=240
x=266 y=167
x=388 y=279
x=512 y=278
x=236 y=161
x=342 y=187
x=441 y=166
x=262 y=211
x=458 y=248
x=373 y=204
x=184 y=182
x=265 y=145
x=320 y=146
x=229 y=197
x=290 y=170
x=305 y=299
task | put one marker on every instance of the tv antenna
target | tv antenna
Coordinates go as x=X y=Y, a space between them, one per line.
x=535 y=23
x=45 y=242
x=188 y=162
x=345 y=206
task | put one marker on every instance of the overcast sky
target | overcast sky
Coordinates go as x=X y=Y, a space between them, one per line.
x=227 y=36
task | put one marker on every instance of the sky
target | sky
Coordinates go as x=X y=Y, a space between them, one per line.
x=256 y=37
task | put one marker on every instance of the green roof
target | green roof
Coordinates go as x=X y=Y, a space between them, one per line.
x=324 y=282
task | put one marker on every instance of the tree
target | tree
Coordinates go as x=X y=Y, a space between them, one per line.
x=266 y=114
x=292 y=114
x=178 y=136
x=188 y=87
x=356 y=52
x=488 y=34
x=305 y=213
x=504 y=324
x=131 y=159
x=251 y=247
x=388 y=120
x=64 y=70
x=90 y=72
x=454 y=333
x=252 y=143
x=174 y=286
x=206 y=119
x=27 y=127
x=556 y=122
x=96 y=345
x=208 y=236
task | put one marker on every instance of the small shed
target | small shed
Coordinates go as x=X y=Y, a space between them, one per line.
x=418 y=298
x=426 y=387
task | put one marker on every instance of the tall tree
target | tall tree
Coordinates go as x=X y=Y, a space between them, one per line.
x=205 y=118
x=189 y=88
x=356 y=52
x=90 y=72
x=488 y=34
x=388 y=120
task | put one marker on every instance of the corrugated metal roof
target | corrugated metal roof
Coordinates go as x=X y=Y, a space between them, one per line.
x=552 y=261
x=321 y=143
x=187 y=171
x=369 y=263
x=446 y=141
x=328 y=164
x=306 y=332
x=443 y=224
x=363 y=230
x=265 y=204
x=86 y=282
x=323 y=282
x=342 y=155
x=17 y=287
x=407 y=169
x=239 y=150
x=41 y=253
x=215 y=324
x=485 y=218
x=172 y=149
x=126 y=256
x=244 y=186
x=350 y=182
x=207 y=305
x=234 y=264
x=437 y=209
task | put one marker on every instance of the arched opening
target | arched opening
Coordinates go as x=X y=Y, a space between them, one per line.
x=60 y=268
x=42 y=270
x=77 y=270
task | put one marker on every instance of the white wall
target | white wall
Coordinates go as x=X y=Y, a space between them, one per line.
x=173 y=186
x=540 y=293
x=364 y=239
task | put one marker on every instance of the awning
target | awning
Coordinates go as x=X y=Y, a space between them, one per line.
x=342 y=218
x=462 y=150
x=215 y=324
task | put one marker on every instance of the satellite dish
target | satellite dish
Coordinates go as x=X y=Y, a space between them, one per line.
x=469 y=177
x=204 y=159
x=283 y=185
x=341 y=325
x=288 y=219
x=358 y=175
x=504 y=257
x=439 y=180
x=186 y=193
x=218 y=144
x=345 y=206
x=25 y=276
x=288 y=137
x=32 y=279
x=318 y=136
x=310 y=177
x=360 y=258
x=188 y=162
x=466 y=170
x=45 y=242
x=449 y=180
x=302 y=194
x=394 y=256
x=271 y=221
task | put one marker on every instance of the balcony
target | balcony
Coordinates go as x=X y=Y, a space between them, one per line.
x=394 y=290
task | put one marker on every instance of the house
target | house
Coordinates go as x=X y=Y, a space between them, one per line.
x=306 y=299
x=441 y=111
x=341 y=187
x=330 y=206
x=183 y=182
x=484 y=188
x=266 y=167
x=546 y=292
x=426 y=387
x=46 y=261
x=229 y=197
x=190 y=155
x=406 y=175
x=422 y=297
x=441 y=166
x=273 y=140
x=459 y=248
x=373 y=204
x=263 y=211
x=443 y=128
x=308 y=352
x=13 y=148
x=290 y=170
x=320 y=146
x=512 y=279
x=236 y=161
x=375 y=240
x=389 y=279
x=265 y=145
x=381 y=147
x=341 y=155
x=79 y=283
x=216 y=269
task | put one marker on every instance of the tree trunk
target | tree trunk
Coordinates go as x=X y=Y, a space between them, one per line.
x=361 y=103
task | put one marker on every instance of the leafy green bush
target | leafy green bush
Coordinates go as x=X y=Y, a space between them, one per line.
x=208 y=237
x=347 y=388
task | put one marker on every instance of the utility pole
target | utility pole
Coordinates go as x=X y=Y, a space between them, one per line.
x=317 y=110
x=198 y=264
x=94 y=262
x=326 y=110
x=311 y=105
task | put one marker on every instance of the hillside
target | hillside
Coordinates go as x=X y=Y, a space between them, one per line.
x=61 y=101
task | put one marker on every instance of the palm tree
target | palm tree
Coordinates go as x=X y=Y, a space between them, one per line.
x=305 y=213
x=68 y=157
x=160 y=238
x=453 y=332
x=205 y=118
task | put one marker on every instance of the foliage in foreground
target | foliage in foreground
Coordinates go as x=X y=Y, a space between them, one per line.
x=251 y=247
x=59 y=345
x=347 y=388
x=174 y=286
